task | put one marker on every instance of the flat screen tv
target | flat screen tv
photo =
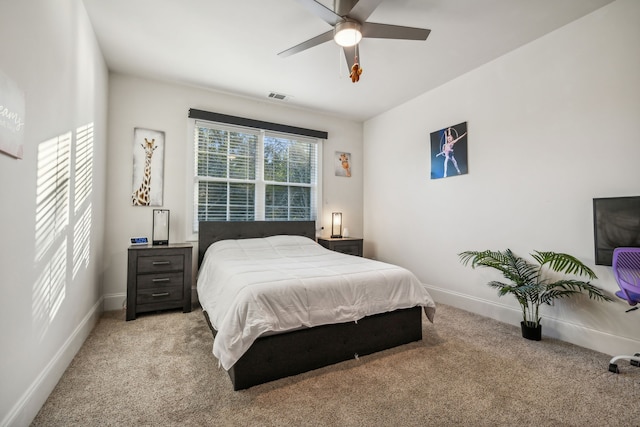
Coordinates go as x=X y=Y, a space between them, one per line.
x=616 y=223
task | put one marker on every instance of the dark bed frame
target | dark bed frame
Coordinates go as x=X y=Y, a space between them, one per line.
x=281 y=355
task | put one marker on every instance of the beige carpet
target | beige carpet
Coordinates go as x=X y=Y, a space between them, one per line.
x=468 y=370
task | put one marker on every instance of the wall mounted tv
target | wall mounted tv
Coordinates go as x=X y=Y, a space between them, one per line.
x=616 y=223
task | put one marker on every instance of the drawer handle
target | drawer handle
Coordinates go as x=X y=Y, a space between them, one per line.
x=162 y=279
x=162 y=294
x=161 y=262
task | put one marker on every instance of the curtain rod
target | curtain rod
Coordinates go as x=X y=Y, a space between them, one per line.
x=241 y=121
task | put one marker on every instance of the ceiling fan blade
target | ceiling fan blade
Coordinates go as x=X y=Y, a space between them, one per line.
x=363 y=9
x=385 y=31
x=350 y=54
x=324 y=13
x=324 y=37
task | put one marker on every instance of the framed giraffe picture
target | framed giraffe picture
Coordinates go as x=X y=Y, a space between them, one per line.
x=148 y=167
x=343 y=164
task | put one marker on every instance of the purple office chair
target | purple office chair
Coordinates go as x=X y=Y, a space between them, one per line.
x=626 y=269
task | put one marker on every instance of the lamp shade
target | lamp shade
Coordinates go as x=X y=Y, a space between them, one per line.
x=160 y=227
x=336 y=225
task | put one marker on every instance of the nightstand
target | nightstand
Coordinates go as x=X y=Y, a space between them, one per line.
x=159 y=278
x=346 y=245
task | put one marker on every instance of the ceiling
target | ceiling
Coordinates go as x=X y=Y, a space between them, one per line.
x=232 y=46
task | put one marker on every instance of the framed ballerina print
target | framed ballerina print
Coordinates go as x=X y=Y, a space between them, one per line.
x=449 y=151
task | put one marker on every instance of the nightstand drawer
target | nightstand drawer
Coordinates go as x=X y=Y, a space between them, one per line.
x=160 y=280
x=345 y=245
x=152 y=264
x=161 y=295
x=348 y=248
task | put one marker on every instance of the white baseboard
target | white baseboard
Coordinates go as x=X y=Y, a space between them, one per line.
x=113 y=302
x=27 y=407
x=582 y=336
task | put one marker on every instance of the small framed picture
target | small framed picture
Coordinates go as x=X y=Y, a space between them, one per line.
x=343 y=164
x=12 y=107
x=449 y=151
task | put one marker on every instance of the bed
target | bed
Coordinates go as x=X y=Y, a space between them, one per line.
x=260 y=337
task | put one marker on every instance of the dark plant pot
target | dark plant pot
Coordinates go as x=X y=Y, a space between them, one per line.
x=530 y=332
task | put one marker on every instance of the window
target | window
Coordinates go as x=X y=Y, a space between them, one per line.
x=290 y=177
x=245 y=174
x=225 y=162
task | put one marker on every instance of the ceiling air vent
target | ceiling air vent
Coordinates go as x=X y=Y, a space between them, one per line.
x=278 y=96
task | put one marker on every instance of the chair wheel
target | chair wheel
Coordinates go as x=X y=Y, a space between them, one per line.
x=614 y=368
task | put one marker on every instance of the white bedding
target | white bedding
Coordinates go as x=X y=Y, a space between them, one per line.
x=252 y=286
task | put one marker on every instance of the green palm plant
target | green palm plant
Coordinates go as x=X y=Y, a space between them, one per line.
x=532 y=284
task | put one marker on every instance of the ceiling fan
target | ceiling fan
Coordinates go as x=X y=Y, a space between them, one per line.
x=349 y=21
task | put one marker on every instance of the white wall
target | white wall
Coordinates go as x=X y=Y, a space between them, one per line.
x=561 y=112
x=136 y=102
x=551 y=126
x=50 y=258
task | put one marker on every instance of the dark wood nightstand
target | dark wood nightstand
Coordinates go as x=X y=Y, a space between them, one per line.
x=346 y=245
x=159 y=278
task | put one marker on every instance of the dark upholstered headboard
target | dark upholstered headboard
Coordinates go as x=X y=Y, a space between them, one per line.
x=211 y=231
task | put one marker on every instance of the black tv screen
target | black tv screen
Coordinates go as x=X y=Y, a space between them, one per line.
x=616 y=223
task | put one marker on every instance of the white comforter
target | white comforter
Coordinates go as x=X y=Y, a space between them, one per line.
x=252 y=286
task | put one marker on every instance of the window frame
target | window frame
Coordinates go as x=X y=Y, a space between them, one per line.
x=260 y=183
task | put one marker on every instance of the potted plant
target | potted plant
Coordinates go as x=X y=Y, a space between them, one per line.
x=533 y=284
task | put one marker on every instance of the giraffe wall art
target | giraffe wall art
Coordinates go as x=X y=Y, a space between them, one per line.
x=148 y=167
x=343 y=164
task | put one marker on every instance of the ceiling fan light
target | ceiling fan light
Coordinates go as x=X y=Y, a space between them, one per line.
x=347 y=33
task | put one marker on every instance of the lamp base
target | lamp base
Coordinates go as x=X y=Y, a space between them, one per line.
x=338 y=236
